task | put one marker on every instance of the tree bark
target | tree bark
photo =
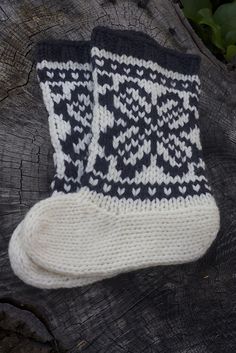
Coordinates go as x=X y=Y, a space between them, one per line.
x=188 y=308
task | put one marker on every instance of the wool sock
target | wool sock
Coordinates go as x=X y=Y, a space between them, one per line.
x=63 y=64
x=64 y=73
x=65 y=77
x=145 y=198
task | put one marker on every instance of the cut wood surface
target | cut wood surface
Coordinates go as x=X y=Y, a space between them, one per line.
x=185 y=309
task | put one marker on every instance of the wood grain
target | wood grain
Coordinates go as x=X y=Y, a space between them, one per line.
x=189 y=308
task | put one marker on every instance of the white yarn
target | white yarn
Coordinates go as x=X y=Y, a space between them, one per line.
x=58 y=234
x=37 y=276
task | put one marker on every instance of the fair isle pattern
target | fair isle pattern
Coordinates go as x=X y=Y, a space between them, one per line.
x=67 y=93
x=146 y=140
x=145 y=200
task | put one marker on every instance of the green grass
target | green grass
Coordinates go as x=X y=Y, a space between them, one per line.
x=215 y=23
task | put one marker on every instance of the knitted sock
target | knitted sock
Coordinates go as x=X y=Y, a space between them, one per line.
x=145 y=199
x=69 y=65
x=64 y=73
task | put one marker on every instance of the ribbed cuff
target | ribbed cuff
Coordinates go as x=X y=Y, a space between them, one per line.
x=144 y=47
x=63 y=51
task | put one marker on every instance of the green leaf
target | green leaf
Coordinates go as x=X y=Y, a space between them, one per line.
x=225 y=17
x=230 y=52
x=191 y=8
x=207 y=19
x=217 y=3
x=230 y=37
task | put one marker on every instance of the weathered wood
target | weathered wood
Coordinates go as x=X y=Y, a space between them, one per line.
x=21 y=330
x=189 y=308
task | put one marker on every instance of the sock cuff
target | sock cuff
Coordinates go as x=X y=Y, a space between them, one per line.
x=63 y=51
x=127 y=43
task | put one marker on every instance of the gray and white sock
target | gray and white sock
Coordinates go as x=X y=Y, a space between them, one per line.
x=145 y=199
x=65 y=76
x=62 y=68
x=64 y=72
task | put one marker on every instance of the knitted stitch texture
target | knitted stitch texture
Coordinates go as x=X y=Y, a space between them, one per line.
x=62 y=62
x=64 y=73
x=145 y=198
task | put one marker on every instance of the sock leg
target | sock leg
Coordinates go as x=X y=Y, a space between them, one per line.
x=64 y=73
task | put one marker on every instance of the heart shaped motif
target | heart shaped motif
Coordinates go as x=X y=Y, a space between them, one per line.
x=141 y=137
x=140 y=72
x=167 y=191
x=127 y=71
x=129 y=100
x=127 y=147
x=93 y=182
x=114 y=66
x=135 y=192
x=57 y=98
x=62 y=75
x=147 y=120
x=154 y=128
x=152 y=191
x=134 y=143
x=135 y=118
x=141 y=114
x=182 y=189
x=159 y=133
x=82 y=108
x=185 y=85
x=99 y=62
x=196 y=187
x=106 y=188
x=153 y=76
x=87 y=76
x=178 y=154
x=120 y=191
x=148 y=132
x=67 y=187
x=50 y=74
x=121 y=153
x=75 y=75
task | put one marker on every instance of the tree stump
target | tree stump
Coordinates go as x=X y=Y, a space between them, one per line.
x=188 y=308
